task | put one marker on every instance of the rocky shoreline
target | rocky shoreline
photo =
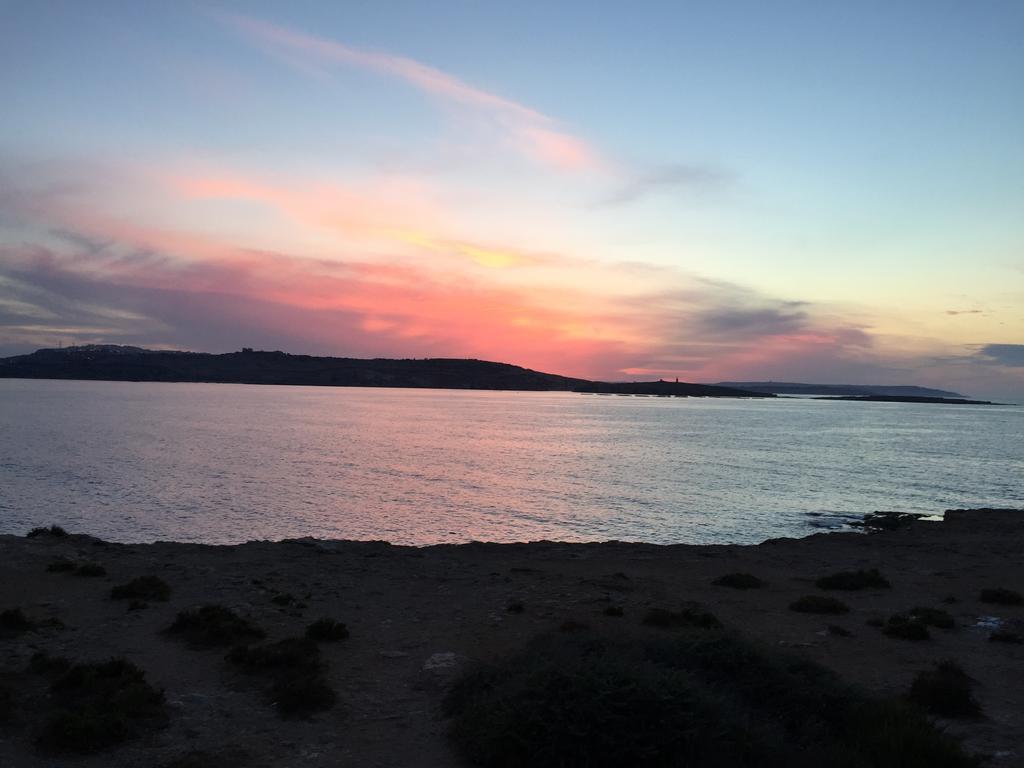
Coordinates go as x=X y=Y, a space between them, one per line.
x=416 y=617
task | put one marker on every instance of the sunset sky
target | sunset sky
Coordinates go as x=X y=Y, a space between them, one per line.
x=812 y=191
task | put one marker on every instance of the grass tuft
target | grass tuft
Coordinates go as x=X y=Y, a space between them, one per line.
x=854 y=580
x=53 y=530
x=142 y=588
x=945 y=691
x=739 y=581
x=1001 y=596
x=326 y=631
x=819 y=604
x=691 y=615
x=906 y=627
x=214 y=625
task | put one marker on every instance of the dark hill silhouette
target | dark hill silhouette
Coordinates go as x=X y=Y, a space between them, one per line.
x=116 y=363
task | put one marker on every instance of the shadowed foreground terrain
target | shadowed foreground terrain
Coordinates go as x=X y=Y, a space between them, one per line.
x=360 y=653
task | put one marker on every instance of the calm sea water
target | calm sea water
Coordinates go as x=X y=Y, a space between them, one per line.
x=223 y=463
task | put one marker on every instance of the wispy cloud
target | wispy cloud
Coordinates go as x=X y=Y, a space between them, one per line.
x=533 y=133
x=674 y=177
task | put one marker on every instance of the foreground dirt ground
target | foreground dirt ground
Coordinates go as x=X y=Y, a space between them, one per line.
x=418 y=615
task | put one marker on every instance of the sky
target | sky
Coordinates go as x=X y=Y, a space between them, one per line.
x=798 y=191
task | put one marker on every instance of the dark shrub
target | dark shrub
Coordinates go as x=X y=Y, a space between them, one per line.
x=1001 y=596
x=302 y=696
x=819 y=604
x=690 y=615
x=875 y=621
x=944 y=690
x=1005 y=636
x=933 y=617
x=290 y=655
x=326 y=631
x=905 y=628
x=99 y=706
x=853 y=580
x=62 y=565
x=214 y=625
x=196 y=758
x=53 y=530
x=699 y=698
x=739 y=581
x=91 y=570
x=14 y=620
x=7 y=704
x=298 y=687
x=283 y=599
x=142 y=588
x=613 y=610
x=837 y=631
x=43 y=663
x=515 y=606
x=571 y=625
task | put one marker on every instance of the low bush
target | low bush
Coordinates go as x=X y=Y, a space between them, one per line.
x=14 y=620
x=62 y=565
x=302 y=696
x=837 y=631
x=690 y=615
x=294 y=667
x=142 y=588
x=99 y=705
x=695 y=698
x=854 y=580
x=326 y=631
x=739 y=581
x=613 y=610
x=214 y=625
x=1005 y=636
x=284 y=599
x=53 y=530
x=515 y=606
x=905 y=628
x=945 y=691
x=7 y=703
x=291 y=655
x=933 y=617
x=43 y=663
x=1001 y=596
x=91 y=570
x=819 y=604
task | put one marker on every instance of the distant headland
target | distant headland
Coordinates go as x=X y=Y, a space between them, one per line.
x=109 y=362
x=113 y=362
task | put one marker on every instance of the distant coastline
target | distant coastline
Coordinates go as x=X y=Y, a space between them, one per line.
x=111 y=362
x=118 y=363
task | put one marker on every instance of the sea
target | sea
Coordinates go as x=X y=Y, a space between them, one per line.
x=227 y=463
